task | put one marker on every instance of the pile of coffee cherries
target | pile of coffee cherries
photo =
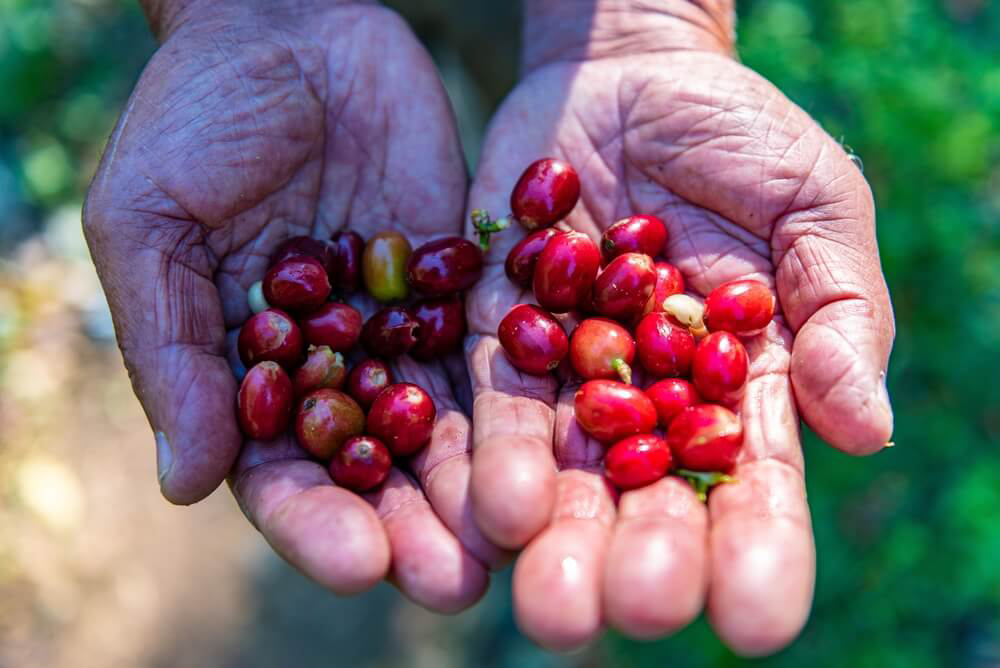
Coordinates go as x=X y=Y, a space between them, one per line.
x=297 y=344
x=630 y=307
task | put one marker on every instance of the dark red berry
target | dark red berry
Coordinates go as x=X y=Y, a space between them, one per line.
x=264 y=401
x=367 y=380
x=705 y=437
x=304 y=246
x=270 y=335
x=623 y=289
x=719 y=369
x=521 y=261
x=402 y=416
x=361 y=464
x=601 y=348
x=298 y=284
x=533 y=340
x=565 y=272
x=333 y=324
x=347 y=247
x=545 y=194
x=740 y=307
x=635 y=234
x=664 y=347
x=442 y=266
x=441 y=326
x=390 y=332
x=610 y=411
x=637 y=461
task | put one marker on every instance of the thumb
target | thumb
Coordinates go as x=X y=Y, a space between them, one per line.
x=168 y=320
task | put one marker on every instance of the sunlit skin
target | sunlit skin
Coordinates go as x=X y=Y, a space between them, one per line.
x=657 y=117
x=649 y=105
x=180 y=222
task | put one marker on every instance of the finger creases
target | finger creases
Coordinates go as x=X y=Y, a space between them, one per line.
x=513 y=467
x=763 y=559
x=557 y=579
x=429 y=564
x=330 y=534
x=656 y=574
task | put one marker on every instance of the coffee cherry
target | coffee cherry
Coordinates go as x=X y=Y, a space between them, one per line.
x=665 y=348
x=347 y=247
x=719 y=368
x=742 y=307
x=669 y=281
x=601 y=348
x=323 y=368
x=367 y=380
x=383 y=266
x=390 y=332
x=623 y=289
x=270 y=335
x=636 y=234
x=361 y=464
x=565 y=272
x=333 y=324
x=521 y=261
x=533 y=340
x=402 y=416
x=610 y=411
x=264 y=402
x=440 y=326
x=545 y=194
x=443 y=266
x=325 y=419
x=299 y=284
x=705 y=437
x=637 y=461
x=304 y=246
x=670 y=396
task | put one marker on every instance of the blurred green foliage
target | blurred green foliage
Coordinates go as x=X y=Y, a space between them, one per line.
x=908 y=541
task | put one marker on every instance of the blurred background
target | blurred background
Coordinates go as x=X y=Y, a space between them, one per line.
x=97 y=570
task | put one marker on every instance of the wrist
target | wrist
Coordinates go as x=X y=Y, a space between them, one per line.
x=573 y=30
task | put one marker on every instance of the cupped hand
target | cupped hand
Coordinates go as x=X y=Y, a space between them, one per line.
x=657 y=117
x=248 y=127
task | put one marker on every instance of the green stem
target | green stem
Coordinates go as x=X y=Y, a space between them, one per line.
x=486 y=226
x=623 y=370
x=704 y=481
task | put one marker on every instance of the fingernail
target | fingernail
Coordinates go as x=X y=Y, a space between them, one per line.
x=164 y=457
x=883 y=396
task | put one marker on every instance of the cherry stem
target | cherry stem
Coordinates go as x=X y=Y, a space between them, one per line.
x=623 y=370
x=486 y=226
x=702 y=481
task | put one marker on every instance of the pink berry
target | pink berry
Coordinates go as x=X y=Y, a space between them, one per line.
x=565 y=272
x=601 y=348
x=635 y=234
x=665 y=348
x=741 y=307
x=719 y=369
x=705 y=437
x=637 y=461
x=610 y=411
x=623 y=289
x=671 y=396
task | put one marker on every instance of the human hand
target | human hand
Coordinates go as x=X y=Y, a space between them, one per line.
x=657 y=117
x=249 y=126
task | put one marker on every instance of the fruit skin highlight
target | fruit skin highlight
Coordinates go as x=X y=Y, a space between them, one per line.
x=443 y=266
x=383 y=266
x=545 y=193
x=636 y=234
x=664 y=347
x=705 y=437
x=325 y=419
x=264 y=401
x=601 y=348
x=521 y=261
x=298 y=284
x=609 y=410
x=637 y=461
x=623 y=289
x=402 y=417
x=533 y=340
x=361 y=464
x=270 y=335
x=742 y=307
x=565 y=272
x=719 y=368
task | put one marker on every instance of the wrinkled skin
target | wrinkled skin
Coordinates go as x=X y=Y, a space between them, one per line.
x=246 y=129
x=658 y=118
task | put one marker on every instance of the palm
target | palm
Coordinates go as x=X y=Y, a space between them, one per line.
x=235 y=140
x=733 y=169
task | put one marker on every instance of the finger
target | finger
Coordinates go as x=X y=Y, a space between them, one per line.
x=444 y=467
x=429 y=564
x=656 y=571
x=328 y=533
x=557 y=579
x=169 y=325
x=513 y=468
x=763 y=562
